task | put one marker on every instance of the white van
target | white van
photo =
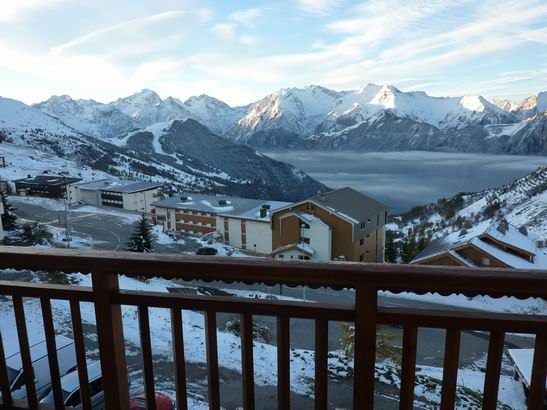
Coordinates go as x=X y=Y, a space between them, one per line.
x=66 y=356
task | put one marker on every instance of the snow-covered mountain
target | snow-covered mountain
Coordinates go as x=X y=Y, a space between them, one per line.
x=143 y=155
x=139 y=110
x=372 y=118
x=522 y=203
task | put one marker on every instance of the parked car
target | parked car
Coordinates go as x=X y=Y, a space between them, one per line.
x=70 y=388
x=163 y=402
x=66 y=356
x=206 y=250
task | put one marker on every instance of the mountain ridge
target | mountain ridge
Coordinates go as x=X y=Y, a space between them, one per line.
x=315 y=117
x=259 y=177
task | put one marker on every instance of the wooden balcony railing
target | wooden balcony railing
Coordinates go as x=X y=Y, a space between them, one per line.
x=366 y=279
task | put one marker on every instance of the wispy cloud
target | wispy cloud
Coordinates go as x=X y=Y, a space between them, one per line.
x=11 y=11
x=318 y=7
x=136 y=37
x=248 y=17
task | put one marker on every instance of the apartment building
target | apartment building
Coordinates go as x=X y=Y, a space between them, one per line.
x=340 y=225
x=49 y=186
x=249 y=228
x=239 y=222
x=129 y=195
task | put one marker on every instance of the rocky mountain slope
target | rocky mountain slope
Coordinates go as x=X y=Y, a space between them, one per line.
x=216 y=165
x=521 y=203
x=373 y=118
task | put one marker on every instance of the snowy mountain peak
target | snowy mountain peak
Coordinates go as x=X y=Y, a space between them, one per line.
x=145 y=96
x=473 y=103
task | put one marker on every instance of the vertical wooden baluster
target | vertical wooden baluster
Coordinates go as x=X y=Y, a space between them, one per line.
x=539 y=372
x=4 y=380
x=24 y=350
x=283 y=363
x=111 y=341
x=146 y=346
x=247 y=364
x=321 y=363
x=450 y=368
x=212 y=360
x=178 y=358
x=366 y=304
x=79 y=344
x=49 y=331
x=408 y=368
x=493 y=369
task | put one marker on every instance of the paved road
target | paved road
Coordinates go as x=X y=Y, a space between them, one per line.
x=100 y=231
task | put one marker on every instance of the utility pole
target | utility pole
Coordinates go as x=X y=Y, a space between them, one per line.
x=67 y=222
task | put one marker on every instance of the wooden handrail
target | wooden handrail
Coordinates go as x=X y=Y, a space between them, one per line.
x=337 y=275
x=366 y=279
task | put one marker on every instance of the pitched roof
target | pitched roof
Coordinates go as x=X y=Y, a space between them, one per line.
x=245 y=208
x=500 y=231
x=303 y=247
x=113 y=185
x=349 y=203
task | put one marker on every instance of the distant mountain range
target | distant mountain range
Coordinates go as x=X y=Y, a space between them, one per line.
x=181 y=153
x=373 y=118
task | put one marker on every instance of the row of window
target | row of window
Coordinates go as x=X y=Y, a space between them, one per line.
x=301 y=257
x=184 y=221
x=188 y=212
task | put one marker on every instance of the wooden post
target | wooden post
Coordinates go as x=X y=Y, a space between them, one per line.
x=111 y=341
x=366 y=307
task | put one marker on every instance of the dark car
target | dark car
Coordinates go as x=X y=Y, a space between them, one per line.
x=206 y=250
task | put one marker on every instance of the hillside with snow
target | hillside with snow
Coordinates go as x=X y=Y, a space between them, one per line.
x=30 y=129
x=372 y=118
x=523 y=203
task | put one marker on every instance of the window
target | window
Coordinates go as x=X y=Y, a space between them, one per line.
x=281 y=256
x=306 y=258
x=361 y=241
x=361 y=257
x=485 y=261
x=363 y=224
x=19 y=382
x=74 y=399
x=301 y=257
x=96 y=386
x=305 y=240
x=368 y=220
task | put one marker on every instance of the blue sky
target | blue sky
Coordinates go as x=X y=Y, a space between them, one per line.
x=239 y=51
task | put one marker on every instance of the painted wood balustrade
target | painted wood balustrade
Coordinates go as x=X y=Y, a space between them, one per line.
x=366 y=279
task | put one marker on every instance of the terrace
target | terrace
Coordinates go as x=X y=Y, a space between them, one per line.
x=366 y=279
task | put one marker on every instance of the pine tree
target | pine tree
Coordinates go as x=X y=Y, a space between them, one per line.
x=409 y=248
x=391 y=249
x=8 y=217
x=141 y=239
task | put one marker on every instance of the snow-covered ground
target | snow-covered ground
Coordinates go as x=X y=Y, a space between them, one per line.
x=24 y=161
x=503 y=304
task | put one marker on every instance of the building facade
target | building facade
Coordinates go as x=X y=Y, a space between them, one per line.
x=131 y=196
x=339 y=225
x=49 y=186
x=239 y=222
